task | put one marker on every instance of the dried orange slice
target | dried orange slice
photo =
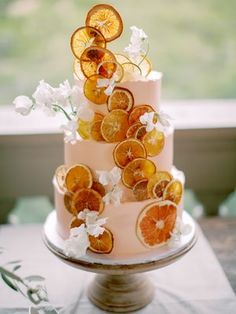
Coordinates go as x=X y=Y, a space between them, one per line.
x=128 y=150
x=76 y=222
x=122 y=58
x=154 y=142
x=131 y=70
x=138 y=169
x=159 y=188
x=84 y=37
x=93 y=92
x=92 y=57
x=140 y=132
x=115 y=125
x=111 y=69
x=145 y=65
x=106 y=19
x=87 y=198
x=173 y=191
x=121 y=98
x=77 y=177
x=156 y=222
x=96 y=131
x=137 y=112
x=132 y=129
x=84 y=127
x=68 y=196
x=102 y=244
x=60 y=175
x=77 y=70
x=140 y=190
x=157 y=177
x=97 y=186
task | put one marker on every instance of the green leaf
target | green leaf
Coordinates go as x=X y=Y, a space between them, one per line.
x=15 y=268
x=14 y=262
x=10 y=274
x=8 y=282
x=34 y=278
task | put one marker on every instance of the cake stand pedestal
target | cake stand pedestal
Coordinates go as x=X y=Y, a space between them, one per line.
x=118 y=286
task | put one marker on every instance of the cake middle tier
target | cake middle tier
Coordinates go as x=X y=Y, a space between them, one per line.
x=99 y=155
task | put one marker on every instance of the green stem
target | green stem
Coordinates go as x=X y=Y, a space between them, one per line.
x=65 y=113
x=71 y=105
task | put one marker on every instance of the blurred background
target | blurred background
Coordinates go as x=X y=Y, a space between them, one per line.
x=192 y=42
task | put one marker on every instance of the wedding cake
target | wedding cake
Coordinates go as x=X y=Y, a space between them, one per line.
x=117 y=193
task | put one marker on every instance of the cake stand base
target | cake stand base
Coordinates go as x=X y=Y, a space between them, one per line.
x=121 y=293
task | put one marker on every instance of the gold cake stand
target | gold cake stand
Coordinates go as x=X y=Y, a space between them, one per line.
x=119 y=285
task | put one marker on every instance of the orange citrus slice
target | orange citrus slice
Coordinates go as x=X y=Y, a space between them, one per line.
x=94 y=93
x=156 y=222
x=77 y=177
x=102 y=244
x=145 y=65
x=77 y=70
x=131 y=70
x=140 y=190
x=92 y=57
x=138 y=169
x=140 y=132
x=114 y=125
x=68 y=196
x=75 y=222
x=60 y=175
x=106 y=19
x=159 y=188
x=154 y=142
x=96 y=131
x=128 y=150
x=137 y=112
x=111 y=69
x=157 y=177
x=87 y=198
x=121 y=58
x=84 y=127
x=173 y=191
x=97 y=186
x=84 y=37
x=121 y=98
x=132 y=129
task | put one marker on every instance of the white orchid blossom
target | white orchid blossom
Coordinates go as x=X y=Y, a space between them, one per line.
x=136 y=47
x=44 y=94
x=70 y=131
x=108 y=83
x=114 y=196
x=23 y=105
x=161 y=123
x=109 y=177
x=179 y=230
x=93 y=224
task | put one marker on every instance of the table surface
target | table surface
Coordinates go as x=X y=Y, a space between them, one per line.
x=221 y=233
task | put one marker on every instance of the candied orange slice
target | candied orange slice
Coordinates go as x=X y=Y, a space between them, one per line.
x=94 y=93
x=106 y=19
x=87 y=198
x=154 y=142
x=60 y=175
x=132 y=129
x=96 y=131
x=145 y=65
x=77 y=177
x=173 y=191
x=157 y=177
x=121 y=58
x=84 y=127
x=121 y=98
x=128 y=150
x=68 y=196
x=140 y=132
x=138 y=169
x=140 y=190
x=76 y=222
x=159 y=188
x=138 y=111
x=92 y=57
x=111 y=69
x=156 y=222
x=102 y=244
x=84 y=37
x=97 y=186
x=77 y=70
x=115 y=125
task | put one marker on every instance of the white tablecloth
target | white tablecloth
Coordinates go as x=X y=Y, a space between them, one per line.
x=196 y=284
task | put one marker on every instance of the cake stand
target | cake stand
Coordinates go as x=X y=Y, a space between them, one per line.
x=118 y=286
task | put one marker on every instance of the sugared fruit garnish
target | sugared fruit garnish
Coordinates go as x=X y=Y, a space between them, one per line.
x=137 y=112
x=138 y=169
x=154 y=142
x=121 y=98
x=60 y=175
x=93 y=92
x=128 y=150
x=173 y=191
x=87 y=199
x=114 y=125
x=102 y=244
x=84 y=37
x=156 y=178
x=106 y=19
x=156 y=222
x=140 y=190
x=77 y=177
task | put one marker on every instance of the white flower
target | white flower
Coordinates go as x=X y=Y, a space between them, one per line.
x=84 y=112
x=65 y=89
x=93 y=224
x=77 y=96
x=136 y=45
x=147 y=119
x=23 y=105
x=114 y=196
x=108 y=83
x=70 y=131
x=163 y=118
x=44 y=94
x=78 y=242
x=161 y=124
x=179 y=230
x=109 y=177
x=62 y=93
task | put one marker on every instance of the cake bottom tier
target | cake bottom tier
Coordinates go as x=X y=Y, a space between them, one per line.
x=121 y=222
